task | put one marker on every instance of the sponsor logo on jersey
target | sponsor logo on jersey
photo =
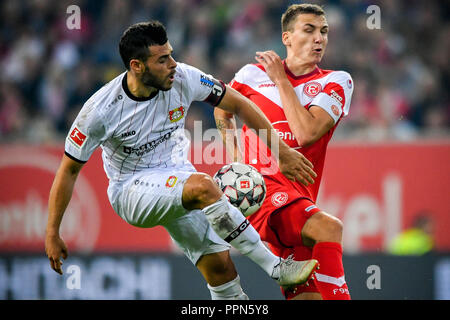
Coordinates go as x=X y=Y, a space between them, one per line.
x=77 y=137
x=349 y=83
x=204 y=80
x=119 y=97
x=285 y=135
x=216 y=86
x=312 y=89
x=171 y=181
x=267 y=85
x=149 y=146
x=176 y=114
x=279 y=199
x=335 y=110
x=336 y=97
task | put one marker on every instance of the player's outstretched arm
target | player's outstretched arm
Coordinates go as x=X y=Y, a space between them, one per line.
x=292 y=164
x=60 y=195
x=226 y=125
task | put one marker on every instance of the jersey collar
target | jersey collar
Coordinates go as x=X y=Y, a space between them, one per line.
x=130 y=95
x=303 y=76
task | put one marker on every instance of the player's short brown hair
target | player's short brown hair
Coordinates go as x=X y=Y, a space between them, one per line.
x=288 y=17
x=137 y=38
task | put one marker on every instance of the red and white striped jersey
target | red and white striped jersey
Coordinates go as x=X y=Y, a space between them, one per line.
x=330 y=90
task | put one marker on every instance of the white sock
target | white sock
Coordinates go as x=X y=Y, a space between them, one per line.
x=231 y=225
x=228 y=291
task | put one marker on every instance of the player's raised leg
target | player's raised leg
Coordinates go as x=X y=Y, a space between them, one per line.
x=201 y=192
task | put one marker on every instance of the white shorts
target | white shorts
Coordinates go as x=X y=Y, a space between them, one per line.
x=154 y=197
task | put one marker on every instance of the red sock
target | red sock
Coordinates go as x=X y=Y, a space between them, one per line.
x=330 y=279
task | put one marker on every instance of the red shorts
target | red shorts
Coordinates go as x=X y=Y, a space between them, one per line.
x=281 y=226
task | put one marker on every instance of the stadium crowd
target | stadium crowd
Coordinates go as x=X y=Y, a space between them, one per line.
x=401 y=70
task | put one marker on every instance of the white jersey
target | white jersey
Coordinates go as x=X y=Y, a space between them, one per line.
x=140 y=133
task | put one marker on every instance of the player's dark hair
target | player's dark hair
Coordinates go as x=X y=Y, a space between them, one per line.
x=288 y=17
x=136 y=39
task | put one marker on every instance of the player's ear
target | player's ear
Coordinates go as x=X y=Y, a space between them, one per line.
x=137 y=65
x=285 y=38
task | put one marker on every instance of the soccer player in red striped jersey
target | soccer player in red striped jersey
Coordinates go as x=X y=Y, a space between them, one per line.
x=304 y=104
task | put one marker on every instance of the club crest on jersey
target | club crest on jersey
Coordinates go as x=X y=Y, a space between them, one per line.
x=176 y=114
x=279 y=198
x=335 y=110
x=312 y=89
x=171 y=181
x=77 y=137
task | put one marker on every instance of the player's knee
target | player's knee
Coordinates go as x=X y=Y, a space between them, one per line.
x=335 y=226
x=199 y=191
x=324 y=227
x=222 y=266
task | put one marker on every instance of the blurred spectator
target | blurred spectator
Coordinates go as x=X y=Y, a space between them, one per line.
x=417 y=240
x=401 y=71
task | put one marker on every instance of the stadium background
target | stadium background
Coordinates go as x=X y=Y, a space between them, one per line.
x=387 y=165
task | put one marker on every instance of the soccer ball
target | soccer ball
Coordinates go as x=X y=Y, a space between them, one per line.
x=243 y=185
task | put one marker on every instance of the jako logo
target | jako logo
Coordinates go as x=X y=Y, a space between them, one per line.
x=127 y=134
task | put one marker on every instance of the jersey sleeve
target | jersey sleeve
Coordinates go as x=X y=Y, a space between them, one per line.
x=336 y=96
x=86 y=134
x=239 y=82
x=204 y=87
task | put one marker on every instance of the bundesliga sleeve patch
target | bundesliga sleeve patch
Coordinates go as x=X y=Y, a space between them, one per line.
x=77 y=137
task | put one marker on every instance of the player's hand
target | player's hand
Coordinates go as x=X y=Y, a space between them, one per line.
x=55 y=248
x=296 y=167
x=273 y=65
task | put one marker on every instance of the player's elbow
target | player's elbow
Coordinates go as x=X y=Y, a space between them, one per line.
x=305 y=139
x=231 y=103
x=222 y=114
x=69 y=167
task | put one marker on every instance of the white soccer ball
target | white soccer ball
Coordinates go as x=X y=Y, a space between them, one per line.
x=243 y=185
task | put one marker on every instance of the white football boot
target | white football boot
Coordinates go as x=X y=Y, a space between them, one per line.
x=289 y=272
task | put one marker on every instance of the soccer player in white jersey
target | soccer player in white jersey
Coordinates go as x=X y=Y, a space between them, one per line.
x=138 y=120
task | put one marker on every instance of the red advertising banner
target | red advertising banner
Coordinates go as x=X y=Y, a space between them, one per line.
x=379 y=191
x=89 y=224
x=376 y=190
